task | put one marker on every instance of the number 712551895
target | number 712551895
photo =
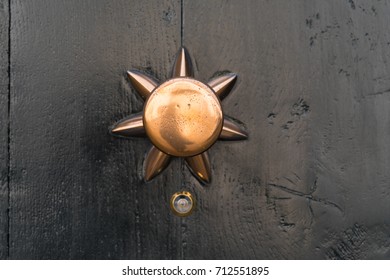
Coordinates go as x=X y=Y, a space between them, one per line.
x=242 y=270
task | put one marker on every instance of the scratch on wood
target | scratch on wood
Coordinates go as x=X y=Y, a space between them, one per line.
x=308 y=196
x=379 y=92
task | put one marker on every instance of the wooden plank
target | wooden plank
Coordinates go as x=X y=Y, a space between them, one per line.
x=4 y=99
x=313 y=90
x=77 y=192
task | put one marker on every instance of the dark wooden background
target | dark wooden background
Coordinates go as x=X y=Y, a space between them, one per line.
x=313 y=180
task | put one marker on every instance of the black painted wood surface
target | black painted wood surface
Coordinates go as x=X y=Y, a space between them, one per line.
x=4 y=125
x=312 y=181
x=77 y=192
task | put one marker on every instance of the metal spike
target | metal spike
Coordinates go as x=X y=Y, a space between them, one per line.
x=231 y=131
x=183 y=65
x=155 y=162
x=223 y=85
x=129 y=127
x=143 y=84
x=200 y=166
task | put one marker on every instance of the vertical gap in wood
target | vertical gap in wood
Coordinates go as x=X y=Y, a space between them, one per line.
x=9 y=132
x=183 y=167
x=181 y=22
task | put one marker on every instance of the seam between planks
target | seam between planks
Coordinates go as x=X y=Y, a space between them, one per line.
x=181 y=22
x=9 y=132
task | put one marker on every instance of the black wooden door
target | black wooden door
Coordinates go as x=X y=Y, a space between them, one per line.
x=312 y=181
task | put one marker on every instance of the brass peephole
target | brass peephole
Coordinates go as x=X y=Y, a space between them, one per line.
x=182 y=204
x=182 y=117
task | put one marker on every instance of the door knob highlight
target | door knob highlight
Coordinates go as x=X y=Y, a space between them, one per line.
x=182 y=117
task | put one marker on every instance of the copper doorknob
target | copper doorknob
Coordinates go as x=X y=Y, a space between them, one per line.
x=182 y=117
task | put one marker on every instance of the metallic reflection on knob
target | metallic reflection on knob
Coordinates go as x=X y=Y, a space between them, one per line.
x=182 y=117
x=182 y=204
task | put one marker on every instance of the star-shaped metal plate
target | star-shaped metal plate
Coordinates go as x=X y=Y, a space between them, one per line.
x=182 y=117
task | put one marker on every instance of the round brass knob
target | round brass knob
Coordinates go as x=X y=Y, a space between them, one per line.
x=182 y=204
x=183 y=117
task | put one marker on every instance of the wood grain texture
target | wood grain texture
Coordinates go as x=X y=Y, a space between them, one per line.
x=313 y=90
x=4 y=98
x=313 y=179
x=76 y=191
